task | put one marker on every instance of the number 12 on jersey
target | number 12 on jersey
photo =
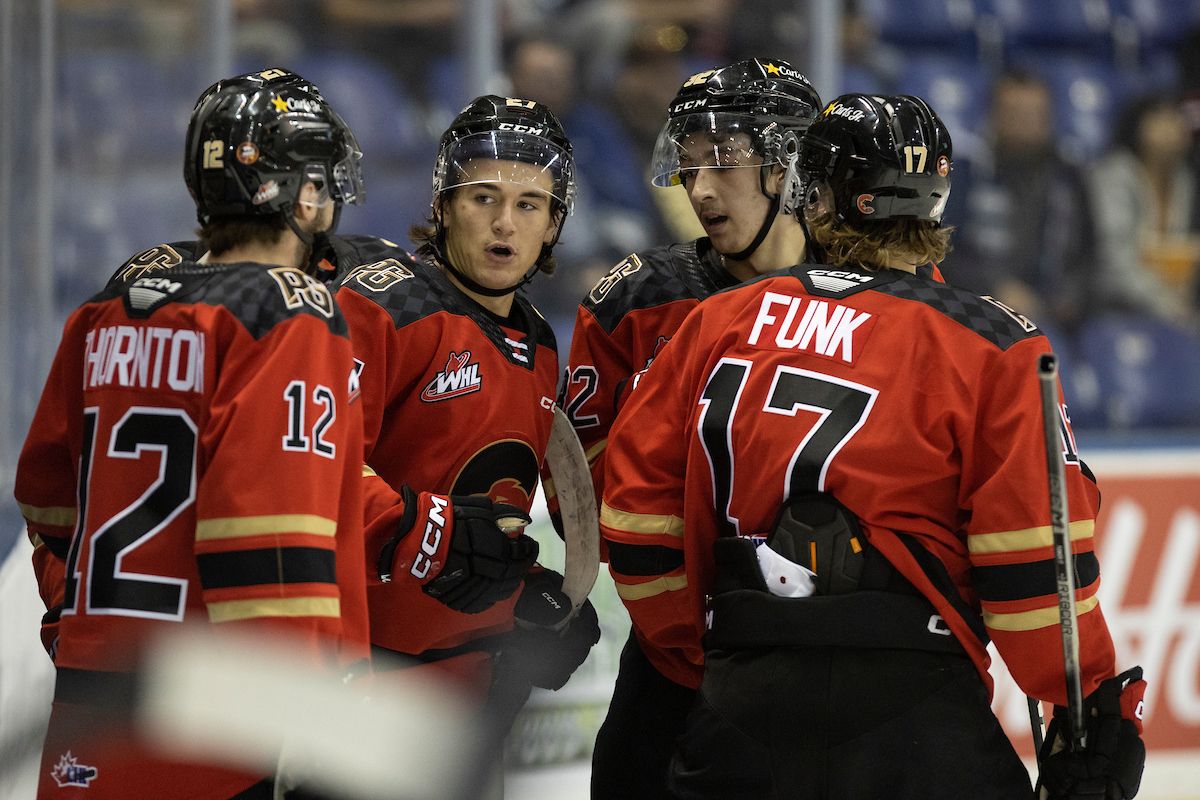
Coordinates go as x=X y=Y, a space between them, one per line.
x=842 y=406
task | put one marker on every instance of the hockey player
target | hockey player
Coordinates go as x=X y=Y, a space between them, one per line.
x=195 y=456
x=847 y=459
x=724 y=143
x=458 y=373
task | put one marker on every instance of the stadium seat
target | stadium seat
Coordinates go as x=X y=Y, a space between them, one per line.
x=949 y=23
x=1158 y=22
x=120 y=107
x=956 y=88
x=1147 y=371
x=388 y=124
x=1084 y=25
x=1087 y=94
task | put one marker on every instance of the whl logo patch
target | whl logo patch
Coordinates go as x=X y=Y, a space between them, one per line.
x=69 y=772
x=457 y=378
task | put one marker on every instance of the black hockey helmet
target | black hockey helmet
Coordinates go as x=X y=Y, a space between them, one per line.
x=492 y=132
x=763 y=98
x=877 y=158
x=495 y=140
x=255 y=139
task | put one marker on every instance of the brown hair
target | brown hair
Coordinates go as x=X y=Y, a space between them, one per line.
x=425 y=236
x=875 y=244
x=222 y=235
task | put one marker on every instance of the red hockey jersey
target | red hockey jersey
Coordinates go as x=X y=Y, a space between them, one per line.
x=454 y=401
x=913 y=403
x=194 y=457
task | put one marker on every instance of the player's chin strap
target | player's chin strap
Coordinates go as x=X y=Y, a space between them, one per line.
x=439 y=252
x=763 y=230
x=797 y=195
x=317 y=245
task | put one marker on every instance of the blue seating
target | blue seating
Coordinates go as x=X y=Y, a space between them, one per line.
x=1158 y=21
x=956 y=88
x=1080 y=24
x=1087 y=93
x=119 y=107
x=388 y=124
x=949 y=23
x=397 y=198
x=1147 y=371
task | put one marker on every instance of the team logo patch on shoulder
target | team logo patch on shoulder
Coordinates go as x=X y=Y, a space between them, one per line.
x=69 y=772
x=832 y=282
x=457 y=378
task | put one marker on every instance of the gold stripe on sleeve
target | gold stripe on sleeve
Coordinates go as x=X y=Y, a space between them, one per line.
x=235 y=527
x=648 y=524
x=640 y=591
x=1027 y=539
x=1032 y=620
x=595 y=450
x=368 y=472
x=232 y=610
x=62 y=516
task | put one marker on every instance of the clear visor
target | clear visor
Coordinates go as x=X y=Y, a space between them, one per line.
x=348 y=186
x=508 y=157
x=710 y=140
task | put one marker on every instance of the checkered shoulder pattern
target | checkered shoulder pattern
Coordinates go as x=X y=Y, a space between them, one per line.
x=988 y=319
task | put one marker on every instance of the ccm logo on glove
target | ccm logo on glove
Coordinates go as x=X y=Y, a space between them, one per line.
x=423 y=562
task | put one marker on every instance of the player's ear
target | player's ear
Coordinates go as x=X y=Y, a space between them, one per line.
x=308 y=204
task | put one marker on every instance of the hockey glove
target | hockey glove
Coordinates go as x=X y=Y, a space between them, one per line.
x=1110 y=765
x=468 y=557
x=548 y=645
x=49 y=631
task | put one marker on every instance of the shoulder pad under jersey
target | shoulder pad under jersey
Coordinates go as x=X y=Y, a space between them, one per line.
x=681 y=271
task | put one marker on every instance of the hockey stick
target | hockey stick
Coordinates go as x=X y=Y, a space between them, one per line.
x=581 y=533
x=1064 y=572
x=577 y=503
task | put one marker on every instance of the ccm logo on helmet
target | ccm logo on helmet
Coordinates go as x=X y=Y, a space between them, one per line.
x=703 y=101
x=517 y=127
x=432 y=538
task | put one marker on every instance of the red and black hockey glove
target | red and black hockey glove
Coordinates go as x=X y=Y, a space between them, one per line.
x=469 y=553
x=548 y=645
x=1109 y=767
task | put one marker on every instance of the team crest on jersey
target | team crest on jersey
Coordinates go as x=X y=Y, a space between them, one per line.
x=460 y=376
x=69 y=772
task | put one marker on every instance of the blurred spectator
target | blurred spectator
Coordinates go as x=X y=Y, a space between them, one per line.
x=868 y=63
x=1026 y=231
x=1143 y=191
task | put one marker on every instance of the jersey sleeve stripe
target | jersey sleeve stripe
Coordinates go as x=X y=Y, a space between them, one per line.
x=1022 y=581
x=648 y=524
x=632 y=559
x=59 y=516
x=593 y=452
x=58 y=546
x=233 y=610
x=640 y=591
x=234 y=527
x=548 y=488
x=1037 y=618
x=1027 y=539
x=268 y=566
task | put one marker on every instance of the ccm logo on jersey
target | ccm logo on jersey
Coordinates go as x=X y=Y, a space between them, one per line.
x=432 y=539
x=456 y=379
x=816 y=326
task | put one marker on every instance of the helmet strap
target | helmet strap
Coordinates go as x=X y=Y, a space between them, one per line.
x=439 y=251
x=763 y=230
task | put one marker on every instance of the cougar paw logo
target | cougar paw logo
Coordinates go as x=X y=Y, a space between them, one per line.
x=457 y=378
x=69 y=772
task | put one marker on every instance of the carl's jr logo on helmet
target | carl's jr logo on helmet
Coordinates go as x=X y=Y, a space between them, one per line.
x=839 y=110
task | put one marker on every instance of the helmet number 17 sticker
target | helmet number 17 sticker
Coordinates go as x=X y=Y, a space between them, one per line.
x=919 y=152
